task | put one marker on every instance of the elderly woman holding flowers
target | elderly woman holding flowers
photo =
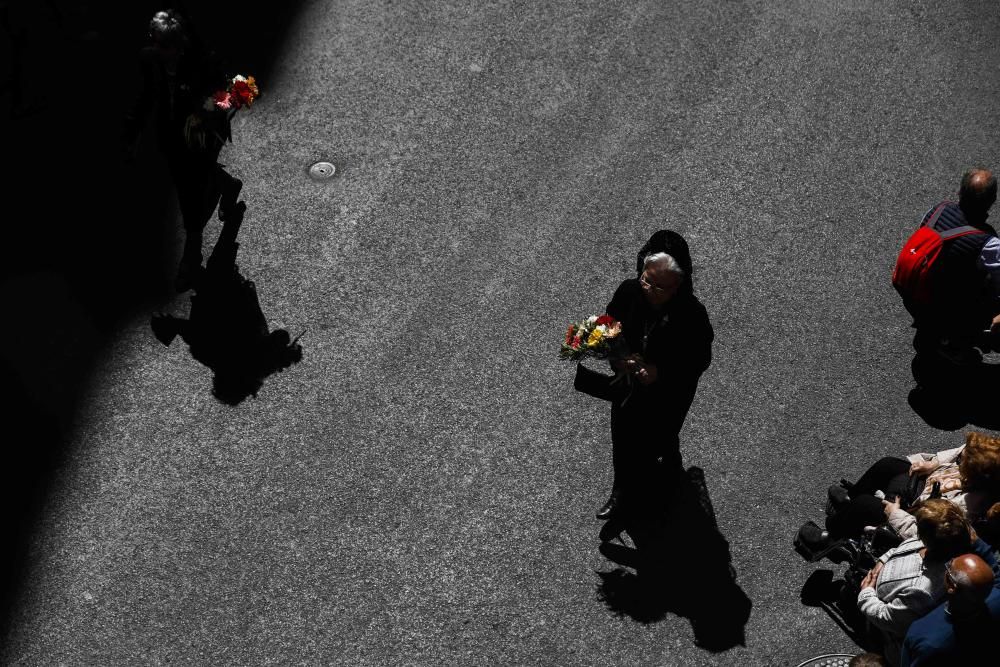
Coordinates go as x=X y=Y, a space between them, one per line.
x=666 y=344
x=181 y=85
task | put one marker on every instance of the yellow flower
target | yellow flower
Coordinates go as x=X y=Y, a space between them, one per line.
x=594 y=338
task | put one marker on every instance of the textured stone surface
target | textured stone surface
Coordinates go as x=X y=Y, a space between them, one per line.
x=421 y=488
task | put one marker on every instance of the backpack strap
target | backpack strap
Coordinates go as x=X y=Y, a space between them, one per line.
x=933 y=218
x=964 y=230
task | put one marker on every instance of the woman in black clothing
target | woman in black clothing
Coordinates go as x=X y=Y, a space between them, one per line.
x=178 y=76
x=667 y=338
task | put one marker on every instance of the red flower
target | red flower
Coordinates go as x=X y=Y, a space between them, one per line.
x=576 y=342
x=569 y=334
x=242 y=95
x=605 y=319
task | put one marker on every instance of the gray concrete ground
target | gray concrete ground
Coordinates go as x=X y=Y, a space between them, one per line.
x=421 y=488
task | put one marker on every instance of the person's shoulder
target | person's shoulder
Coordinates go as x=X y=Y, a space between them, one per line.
x=930 y=634
x=628 y=287
x=691 y=308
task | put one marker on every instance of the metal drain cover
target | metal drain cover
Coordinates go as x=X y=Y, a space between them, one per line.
x=321 y=171
x=828 y=660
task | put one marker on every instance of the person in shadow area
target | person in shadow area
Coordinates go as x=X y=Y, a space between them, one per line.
x=666 y=344
x=178 y=76
x=227 y=330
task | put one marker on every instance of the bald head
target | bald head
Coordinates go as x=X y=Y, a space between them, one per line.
x=969 y=581
x=977 y=192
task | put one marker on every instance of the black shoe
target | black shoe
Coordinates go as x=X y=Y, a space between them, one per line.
x=164 y=328
x=959 y=354
x=612 y=529
x=227 y=202
x=609 y=508
x=812 y=542
x=837 y=498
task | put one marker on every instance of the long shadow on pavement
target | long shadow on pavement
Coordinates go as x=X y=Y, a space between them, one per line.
x=682 y=565
x=227 y=330
x=90 y=243
x=948 y=397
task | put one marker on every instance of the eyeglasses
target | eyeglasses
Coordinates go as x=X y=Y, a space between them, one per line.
x=655 y=288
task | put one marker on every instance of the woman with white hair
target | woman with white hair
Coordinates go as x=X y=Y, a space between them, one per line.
x=178 y=75
x=669 y=345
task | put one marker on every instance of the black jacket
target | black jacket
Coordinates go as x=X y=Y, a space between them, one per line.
x=679 y=338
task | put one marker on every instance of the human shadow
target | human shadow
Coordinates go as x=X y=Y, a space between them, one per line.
x=949 y=397
x=226 y=329
x=838 y=599
x=80 y=267
x=680 y=564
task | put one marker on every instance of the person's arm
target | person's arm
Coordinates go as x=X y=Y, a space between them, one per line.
x=142 y=106
x=925 y=464
x=619 y=308
x=902 y=522
x=895 y=616
x=621 y=301
x=989 y=259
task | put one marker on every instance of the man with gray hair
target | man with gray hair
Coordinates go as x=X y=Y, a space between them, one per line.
x=667 y=345
x=962 y=630
x=948 y=274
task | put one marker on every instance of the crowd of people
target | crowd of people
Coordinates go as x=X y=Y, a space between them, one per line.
x=921 y=533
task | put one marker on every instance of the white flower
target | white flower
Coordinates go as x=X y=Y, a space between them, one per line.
x=239 y=77
x=592 y=319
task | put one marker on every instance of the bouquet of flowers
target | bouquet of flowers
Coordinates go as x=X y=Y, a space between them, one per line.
x=218 y=109
x=592 y=337
x=242 y=91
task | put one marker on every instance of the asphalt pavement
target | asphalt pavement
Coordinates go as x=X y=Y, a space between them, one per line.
x=420 y=489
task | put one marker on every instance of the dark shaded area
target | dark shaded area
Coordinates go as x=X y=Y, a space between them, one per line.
x=949 y=397
x=681 y=565
x=859 y=553
x=838 y=598
x=227 y=330
x=93 y=239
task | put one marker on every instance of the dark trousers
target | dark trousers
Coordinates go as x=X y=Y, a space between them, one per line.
x=962 y=321
x=890 y=475
x=645 y=442
x=199 y=180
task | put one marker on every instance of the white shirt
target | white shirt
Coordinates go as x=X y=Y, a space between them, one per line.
x=990 y=260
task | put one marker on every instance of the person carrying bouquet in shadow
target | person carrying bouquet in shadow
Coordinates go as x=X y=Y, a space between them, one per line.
x=179 y=81
x=227 y=330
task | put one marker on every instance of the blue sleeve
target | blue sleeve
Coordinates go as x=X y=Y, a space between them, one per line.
x=988 y=554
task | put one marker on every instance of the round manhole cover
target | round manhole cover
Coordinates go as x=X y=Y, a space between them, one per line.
x=322 y=171
x=828 y=660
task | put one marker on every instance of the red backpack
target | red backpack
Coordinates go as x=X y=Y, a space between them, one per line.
x=912 y=275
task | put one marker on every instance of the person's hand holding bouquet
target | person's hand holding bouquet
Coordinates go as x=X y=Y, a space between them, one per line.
x=645 y=373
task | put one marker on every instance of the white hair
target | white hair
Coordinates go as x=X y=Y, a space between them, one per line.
x=167 y=27
x=668 y=262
